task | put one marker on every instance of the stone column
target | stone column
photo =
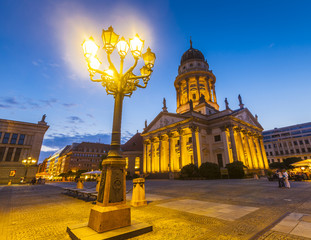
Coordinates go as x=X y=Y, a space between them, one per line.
x=253 y=151
x=248 y=149
x=180 y=131
x=199 y=146
x=259 y=152
x=214 y=94
x=198 y=85
x=264 y=156
x=170 y=147
x=145 y=149
x=193 y=129
x=233 y=144
x=226 y=146
x=160 y=151
x=208 y=89
x=240 y=146
x=151 y=155
x=187 y=82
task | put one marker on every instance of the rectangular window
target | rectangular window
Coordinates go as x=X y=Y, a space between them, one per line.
x=281 y=152
x=137 y=162
x=272 y=160
x=269 y=146
x=13 y=139
x=17 y=154
x=21 y=139
x=295 y=143
x=265 y=147
x=309 y=149
x=190 y=140
x=297 y=151
x=306 y=141
x=0 y=135
x=292 y=151
x=276 y=153
x=274 y=145
x=303 y=150
x=271 y=153
x=301 y=142
x=219 y=159
x=217 y=138
x=2 y=151
x=9 y=155
x=286 y=151
x=6 y=138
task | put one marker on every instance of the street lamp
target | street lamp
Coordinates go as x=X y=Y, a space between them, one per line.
x=111 y=200
x=27 y=163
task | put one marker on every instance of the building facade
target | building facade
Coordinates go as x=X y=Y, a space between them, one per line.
x=18 y=141
x=286 y=142
x=88 y=156
x=199 y=132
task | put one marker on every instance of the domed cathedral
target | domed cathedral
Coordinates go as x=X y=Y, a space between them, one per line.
x=199 y=132
x=195 y=81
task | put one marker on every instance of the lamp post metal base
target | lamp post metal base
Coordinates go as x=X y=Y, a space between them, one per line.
x=83 y=232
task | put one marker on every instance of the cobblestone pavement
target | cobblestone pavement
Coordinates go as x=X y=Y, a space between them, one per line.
x=42 y=212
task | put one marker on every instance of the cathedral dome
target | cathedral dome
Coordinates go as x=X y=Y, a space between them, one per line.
x=191 y=54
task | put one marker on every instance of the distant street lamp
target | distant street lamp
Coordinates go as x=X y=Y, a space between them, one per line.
x=111 y=200
x=27 y=163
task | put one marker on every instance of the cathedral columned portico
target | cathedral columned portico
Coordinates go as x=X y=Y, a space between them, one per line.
x=199 y=132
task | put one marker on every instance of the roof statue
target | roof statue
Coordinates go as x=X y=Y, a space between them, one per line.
x=191 y=105
x=240 y=102
x=146 y=125
x=190 y=42
x=256 y=116
x=43 y=118
x=164 y=108
x=227 y=104
x=202 y=99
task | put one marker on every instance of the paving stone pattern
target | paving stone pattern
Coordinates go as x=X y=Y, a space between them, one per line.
x=42 y=212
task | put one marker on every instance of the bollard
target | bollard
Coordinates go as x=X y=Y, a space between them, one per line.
x=138 y=196
x=80 y=184
x=10 y=183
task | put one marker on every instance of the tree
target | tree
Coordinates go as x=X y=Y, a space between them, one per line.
x=236 y=169
x=286 y=164
x=209 y=170
x=189 y=171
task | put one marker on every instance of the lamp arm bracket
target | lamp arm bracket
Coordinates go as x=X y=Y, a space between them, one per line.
x=112 y=65
x=132 y=68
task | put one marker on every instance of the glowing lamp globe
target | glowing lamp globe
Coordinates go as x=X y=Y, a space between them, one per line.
x=89 y=48
x=122 y=47
x=149 y=58
x=110 y=39
x=136 y=45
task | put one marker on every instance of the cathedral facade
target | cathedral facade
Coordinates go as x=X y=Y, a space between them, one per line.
x=199 y=132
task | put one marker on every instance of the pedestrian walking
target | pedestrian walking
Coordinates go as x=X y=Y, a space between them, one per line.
x=285 y=175
x=281 y=179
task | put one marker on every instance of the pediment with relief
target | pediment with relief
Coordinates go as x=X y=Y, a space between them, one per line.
x=247 y=117
x=163 y=121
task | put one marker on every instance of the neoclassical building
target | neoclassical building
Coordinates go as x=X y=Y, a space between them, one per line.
x=199 y=132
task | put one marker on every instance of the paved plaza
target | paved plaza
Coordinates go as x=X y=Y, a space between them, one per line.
x=216 y=209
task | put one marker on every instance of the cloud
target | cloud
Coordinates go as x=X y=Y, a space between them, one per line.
x=90 y=115
x=75 y=119
x=49 y=102
x=49 y=149
x=53 y=65
x=5 y=106
x=10 y=100
x=69 y=105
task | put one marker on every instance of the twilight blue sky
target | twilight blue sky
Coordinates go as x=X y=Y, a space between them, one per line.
x=259 y=49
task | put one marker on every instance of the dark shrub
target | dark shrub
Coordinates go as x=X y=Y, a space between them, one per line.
x=235 y=169
x=209 y=170
x=189 y=171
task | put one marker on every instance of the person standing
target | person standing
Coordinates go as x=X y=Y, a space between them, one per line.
x=285 y=175
x=281 y=179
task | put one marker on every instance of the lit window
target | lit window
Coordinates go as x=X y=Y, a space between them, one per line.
x=137 y=162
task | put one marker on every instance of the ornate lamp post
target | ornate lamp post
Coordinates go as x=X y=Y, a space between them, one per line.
x=27 y=163
x=111 y=211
